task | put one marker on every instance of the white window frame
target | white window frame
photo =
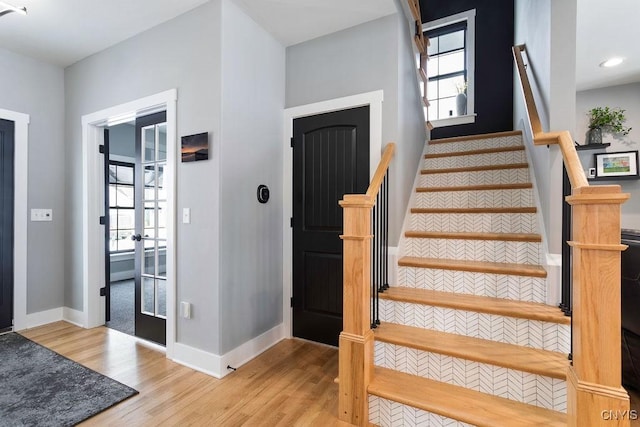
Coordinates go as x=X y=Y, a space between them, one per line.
x=470 y=17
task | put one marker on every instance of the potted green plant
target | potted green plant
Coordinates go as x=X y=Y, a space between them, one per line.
x=608 y=120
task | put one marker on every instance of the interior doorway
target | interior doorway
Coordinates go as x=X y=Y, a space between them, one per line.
x=93 y=204
x=135 y=197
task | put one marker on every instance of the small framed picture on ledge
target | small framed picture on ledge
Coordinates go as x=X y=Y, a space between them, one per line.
x=618 y=165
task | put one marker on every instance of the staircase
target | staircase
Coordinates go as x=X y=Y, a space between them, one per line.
x=465 y=337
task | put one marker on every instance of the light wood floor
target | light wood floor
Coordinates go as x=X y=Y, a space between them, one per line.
x=289 y=384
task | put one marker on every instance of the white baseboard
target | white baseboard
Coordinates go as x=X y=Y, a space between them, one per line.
x=73 y=316
x=554 y=278
x=43 y=317
x=249 y=350
x=215 y=365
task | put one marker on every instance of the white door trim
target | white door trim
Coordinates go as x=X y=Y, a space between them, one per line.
x=20 y=214
x=93 y=202
x=374 y=101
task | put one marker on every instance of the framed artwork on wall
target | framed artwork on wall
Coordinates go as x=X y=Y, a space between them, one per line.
x=195 y=147
x=618 y=165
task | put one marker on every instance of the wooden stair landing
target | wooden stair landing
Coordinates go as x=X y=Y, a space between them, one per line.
x=460 y=403
x=474 y=266
x=535 y=361
x=478 y=304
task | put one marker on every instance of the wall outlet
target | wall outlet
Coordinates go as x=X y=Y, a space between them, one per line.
x=186 y=215
x=41 y=214
x=185 y=308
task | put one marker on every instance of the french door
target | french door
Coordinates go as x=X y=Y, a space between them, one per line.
x=151 y=228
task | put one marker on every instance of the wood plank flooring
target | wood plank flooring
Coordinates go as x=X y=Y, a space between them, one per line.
x=290 y=384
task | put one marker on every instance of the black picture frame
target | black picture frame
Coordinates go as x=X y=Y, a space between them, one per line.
x=616 y=165
x=195 y=147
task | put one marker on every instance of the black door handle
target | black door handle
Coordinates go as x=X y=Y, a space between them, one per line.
x=137 y=237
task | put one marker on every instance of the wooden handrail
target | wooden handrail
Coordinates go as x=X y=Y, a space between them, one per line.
x=594 y=380
x=563 y=139
x=376 y=181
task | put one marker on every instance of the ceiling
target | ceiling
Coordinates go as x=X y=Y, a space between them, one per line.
x=606 y=29
x=63 y=32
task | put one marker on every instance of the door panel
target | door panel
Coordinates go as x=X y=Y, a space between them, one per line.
x=6 y=222
x=150 y=259
x=330 y=159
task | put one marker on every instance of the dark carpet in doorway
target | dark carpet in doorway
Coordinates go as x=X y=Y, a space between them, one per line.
x=122 y=307
x=42 y=388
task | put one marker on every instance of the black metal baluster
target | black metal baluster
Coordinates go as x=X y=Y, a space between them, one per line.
x=385 y=285
x=373 y=269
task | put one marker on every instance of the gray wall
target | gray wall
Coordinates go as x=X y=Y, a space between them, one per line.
x=626 y=97
x=251 y=153
x=548 y=29
x=36 y=88
x=363 y=59
x=183 y=53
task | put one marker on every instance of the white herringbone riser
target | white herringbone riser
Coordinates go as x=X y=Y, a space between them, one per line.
x=510 y=330
x=475 y=250
x=502 y=158
x=386 y=413
x=478 y=144
x=476 y=199
x=537 y=390
x=505 y=176
x=474 y=223
x=517 y=288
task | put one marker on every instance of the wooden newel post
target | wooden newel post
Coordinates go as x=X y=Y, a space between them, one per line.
x=356 y=340
x=595 y=396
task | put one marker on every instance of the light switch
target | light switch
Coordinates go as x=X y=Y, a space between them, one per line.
x=41 y=214
x=186 y=309
x=186 y=215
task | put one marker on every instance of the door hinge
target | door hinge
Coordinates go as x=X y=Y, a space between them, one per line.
x=103 y=220
x=103 y=292
x=292 y=142
x=291 y=222
x=101 y=148
x=291 y=301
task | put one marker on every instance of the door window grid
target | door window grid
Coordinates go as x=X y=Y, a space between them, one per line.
x=153 y=295
x=121 y=206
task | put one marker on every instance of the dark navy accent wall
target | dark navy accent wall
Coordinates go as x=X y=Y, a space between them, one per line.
x=493 y=61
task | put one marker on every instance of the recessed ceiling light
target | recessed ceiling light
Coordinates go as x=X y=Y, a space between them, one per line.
x=612 y=62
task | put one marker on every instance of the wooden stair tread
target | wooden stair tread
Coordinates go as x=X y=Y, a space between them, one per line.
x=475 y=168
x=474 y=152
x=459 y=403
x=515 y=210
x=532 y=360
x=474 y=266
x=505 y=237
x=479 y=304
x=517 y=186
x=476 y=137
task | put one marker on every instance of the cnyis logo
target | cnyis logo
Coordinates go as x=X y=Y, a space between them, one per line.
x=611 y=415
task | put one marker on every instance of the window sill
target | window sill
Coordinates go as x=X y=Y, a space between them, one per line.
x=452 y=121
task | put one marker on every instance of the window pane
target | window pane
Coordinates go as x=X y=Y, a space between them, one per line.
x=112 y=174
x=432 y=66
x=162 y=192
x=125 y=196
x=149 y=144
x=432 y=90
x=149 y=183
x=113 y=198
x=149 y=220
x=124 y=240
x=162 y=298
x=148 y=296
x=433 y=47
x=451 y=62
x=447 y=108
x=113 y=241
x=452 y=41
x=433 y=110
x=449 y=87
x=162 y=259
x=113 y=219
x=126 y=219
x=162 y=219
x=162 y=141
x=124 y=174
x=149 y=260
